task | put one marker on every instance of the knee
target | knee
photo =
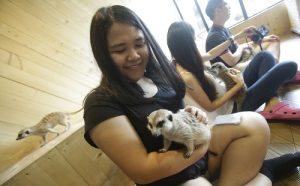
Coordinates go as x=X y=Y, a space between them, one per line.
x=293 y=67
x=266 y=57
x=290 y=68
x=265 y=54
x=256 y=125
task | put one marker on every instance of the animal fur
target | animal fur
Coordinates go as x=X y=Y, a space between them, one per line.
x=47 y=124
x=181 y=127
x=247 y=54
x=220 y=70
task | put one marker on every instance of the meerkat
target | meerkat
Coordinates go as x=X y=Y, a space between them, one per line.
x=181 y=127
x=47 y=124
x=221 y=71
x=247 y=54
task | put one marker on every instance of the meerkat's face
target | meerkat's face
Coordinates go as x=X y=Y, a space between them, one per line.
x=217 y=68
x=159 y=120
x=24 y=133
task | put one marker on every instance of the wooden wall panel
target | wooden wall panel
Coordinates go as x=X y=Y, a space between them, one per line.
x=13 y=48
x=275 y=18
x=11 y=13
x=45 y=65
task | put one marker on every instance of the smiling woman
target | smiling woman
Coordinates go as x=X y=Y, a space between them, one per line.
x=128 y=49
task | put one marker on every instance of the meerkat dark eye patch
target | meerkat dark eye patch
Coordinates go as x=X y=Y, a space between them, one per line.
x=170 y=117
x=160 y=124
x=27 y=132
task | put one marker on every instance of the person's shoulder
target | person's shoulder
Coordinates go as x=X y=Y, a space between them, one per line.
x=214 y=34
x=188 y=78
x=97 y=97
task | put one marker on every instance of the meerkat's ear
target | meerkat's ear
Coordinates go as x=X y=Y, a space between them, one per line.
x=170 y=117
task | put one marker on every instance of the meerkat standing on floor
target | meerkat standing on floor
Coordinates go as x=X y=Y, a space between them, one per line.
x=47 y=124
x=181 y=127
x=221 y=71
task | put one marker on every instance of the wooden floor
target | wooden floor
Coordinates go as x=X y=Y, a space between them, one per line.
x=285 y=136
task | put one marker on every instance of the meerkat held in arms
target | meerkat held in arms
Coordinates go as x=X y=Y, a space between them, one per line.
x=181 y=127
x=221 y=71
x=47 y=125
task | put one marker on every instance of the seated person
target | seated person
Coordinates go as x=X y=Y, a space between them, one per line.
x=219 y=11
x=262 y=77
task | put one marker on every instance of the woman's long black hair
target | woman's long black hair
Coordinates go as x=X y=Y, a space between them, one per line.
x=181 y=42
x=112 y=81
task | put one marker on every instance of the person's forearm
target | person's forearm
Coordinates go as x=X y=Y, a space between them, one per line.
x=227 y=96
x=236 y=56
x=216 y=51
x=161 y=165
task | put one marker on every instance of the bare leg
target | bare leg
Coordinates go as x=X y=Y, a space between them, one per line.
x=241 y=150
x=260 y=179
x=196 y=182
x=272 y=102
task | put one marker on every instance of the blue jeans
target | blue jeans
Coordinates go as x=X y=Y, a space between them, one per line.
x=263 y=77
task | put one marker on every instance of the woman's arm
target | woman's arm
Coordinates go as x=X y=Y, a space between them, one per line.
x=196 y=92
x=119 y=141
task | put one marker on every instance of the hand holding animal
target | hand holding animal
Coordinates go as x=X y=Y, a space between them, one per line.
x=181 y=127
x=226 y=75
x=47 y=125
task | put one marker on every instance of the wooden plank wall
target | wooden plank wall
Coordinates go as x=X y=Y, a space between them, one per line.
x=46 y=65
x=275 y=18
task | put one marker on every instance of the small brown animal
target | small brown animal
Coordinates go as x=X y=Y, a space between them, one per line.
x=221 y=71
x=247 y=54
x=47 y=125
x=181 y=127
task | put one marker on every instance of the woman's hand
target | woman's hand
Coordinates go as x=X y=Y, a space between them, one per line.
x=236 y=76
x=200 y=115
x=234 y=71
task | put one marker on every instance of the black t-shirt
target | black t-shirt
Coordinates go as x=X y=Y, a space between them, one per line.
x=99 y=107
x=216 y=36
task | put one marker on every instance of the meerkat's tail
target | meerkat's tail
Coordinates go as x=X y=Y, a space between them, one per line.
x=75 y=112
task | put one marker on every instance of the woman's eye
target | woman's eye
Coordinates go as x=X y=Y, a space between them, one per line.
x=118 y=51
x=140 y=44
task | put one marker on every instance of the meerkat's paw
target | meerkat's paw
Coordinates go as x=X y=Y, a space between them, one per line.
x=43 y=144
x=187 y=154
x=162 y=150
